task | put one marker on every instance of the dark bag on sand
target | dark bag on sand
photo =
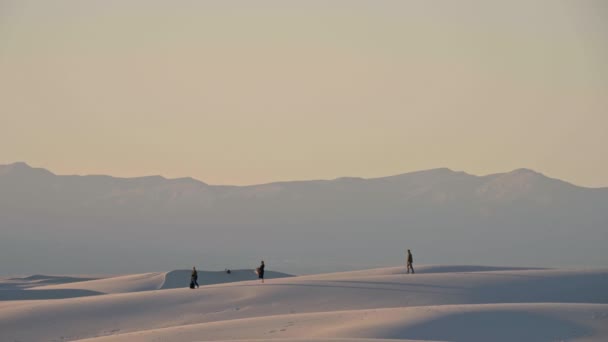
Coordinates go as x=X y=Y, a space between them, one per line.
x=191 y=284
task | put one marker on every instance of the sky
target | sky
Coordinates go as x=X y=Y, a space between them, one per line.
x=243 y=92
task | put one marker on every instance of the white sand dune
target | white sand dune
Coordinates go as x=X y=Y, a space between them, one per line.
x=154 y=281
x=37 y=287
x=180 y=278
x=15 y=283
x=488 y=322
x=425 y=269
x=12 y=295
x=455 y=304
x=118 y=284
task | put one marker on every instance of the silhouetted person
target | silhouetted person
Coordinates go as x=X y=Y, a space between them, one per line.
x=260 y=271
x=194 y=277
x=410 y=262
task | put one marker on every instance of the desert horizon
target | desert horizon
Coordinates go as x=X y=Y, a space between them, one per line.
x=288 y=171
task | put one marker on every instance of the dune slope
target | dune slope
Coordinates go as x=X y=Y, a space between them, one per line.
x=380 y=303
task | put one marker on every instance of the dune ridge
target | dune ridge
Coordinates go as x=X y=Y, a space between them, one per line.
x=448 y=303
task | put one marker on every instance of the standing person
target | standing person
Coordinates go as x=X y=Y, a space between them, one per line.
x=194 y=277
x=261 y=271
x=410 y=261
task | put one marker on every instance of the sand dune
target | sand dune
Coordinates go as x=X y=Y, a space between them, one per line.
x=154 y=281
x=14 y=283
x=425 y=269
x=490 y=322
x=119 y=284
x=519 y=304
x=6 y=295
x=180 y=278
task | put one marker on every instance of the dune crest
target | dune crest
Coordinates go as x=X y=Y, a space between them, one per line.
x=456 y=303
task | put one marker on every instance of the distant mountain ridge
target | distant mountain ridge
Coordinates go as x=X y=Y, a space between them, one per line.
x=530 y=217
x=23 y=169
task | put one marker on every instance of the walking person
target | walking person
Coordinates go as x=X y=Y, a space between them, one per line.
x=260 y=271
x=410 y=262
x=194 y=278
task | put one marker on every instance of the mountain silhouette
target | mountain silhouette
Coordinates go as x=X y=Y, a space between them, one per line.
x=520 y=217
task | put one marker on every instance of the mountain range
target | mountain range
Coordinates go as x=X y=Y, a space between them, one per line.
x=103 y=224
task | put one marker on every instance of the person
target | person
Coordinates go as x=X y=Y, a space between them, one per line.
x=261 y=271
x=410 y=261
x=194 y=277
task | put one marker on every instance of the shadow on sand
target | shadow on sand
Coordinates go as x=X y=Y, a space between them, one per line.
x=7 y=295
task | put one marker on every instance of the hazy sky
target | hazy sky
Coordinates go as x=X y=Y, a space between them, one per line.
x=246 y=92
